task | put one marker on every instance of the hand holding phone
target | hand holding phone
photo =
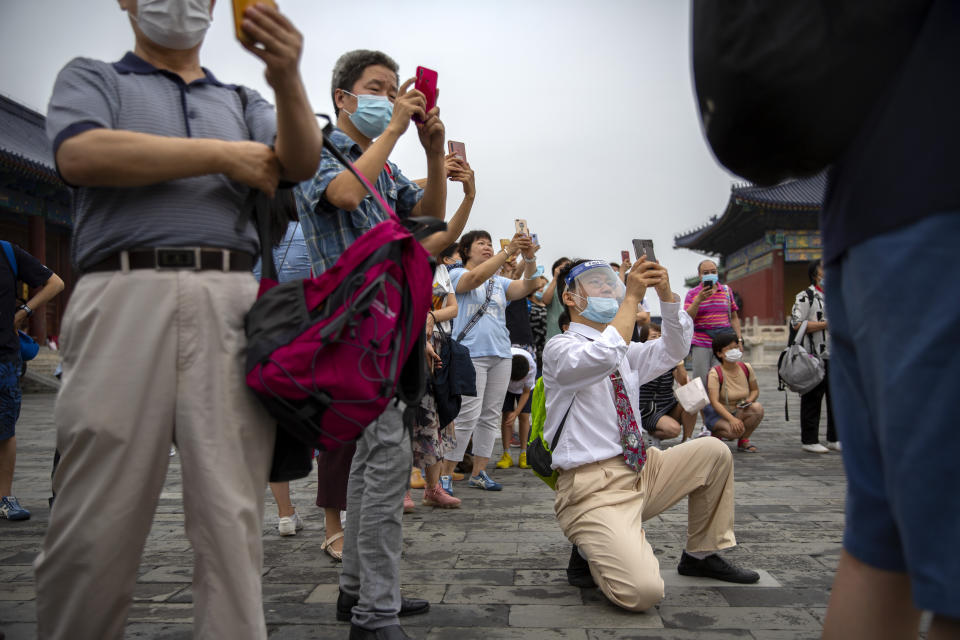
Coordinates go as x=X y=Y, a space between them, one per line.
x=644 y=247
x=426 y=83
x=239 y=7
x=521 y=226
x=743 y=404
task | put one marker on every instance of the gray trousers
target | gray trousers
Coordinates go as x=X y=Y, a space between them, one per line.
x=373 y=535
x=702 y=361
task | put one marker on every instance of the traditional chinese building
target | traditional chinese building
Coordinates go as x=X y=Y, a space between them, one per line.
x=763 y=242
x=35 y=210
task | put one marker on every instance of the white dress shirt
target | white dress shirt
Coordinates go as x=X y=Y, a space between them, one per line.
x=577 y=367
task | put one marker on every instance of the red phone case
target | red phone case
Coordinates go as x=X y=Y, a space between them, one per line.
x=426 y=83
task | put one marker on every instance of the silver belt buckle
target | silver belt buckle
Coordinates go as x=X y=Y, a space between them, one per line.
x=177 y=258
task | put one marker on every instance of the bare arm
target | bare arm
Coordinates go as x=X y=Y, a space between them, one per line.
x=735 y=323
x=813 y=326
x=51 y=288
x=279 y=44
x=521 y=288
x=754 y=388
x=694 y=305
x=345 y=191
x=433 y=204
x=116 y=158
x=480 y=274
x=449 y=310
x=680 y=374
x=550 y=290
x=458 y=171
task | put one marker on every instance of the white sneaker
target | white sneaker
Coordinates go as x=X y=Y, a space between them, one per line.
x=835 y=446
x=289 y=525
x=815 y=448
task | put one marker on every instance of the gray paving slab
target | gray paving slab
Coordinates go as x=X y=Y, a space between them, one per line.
x=493 y=569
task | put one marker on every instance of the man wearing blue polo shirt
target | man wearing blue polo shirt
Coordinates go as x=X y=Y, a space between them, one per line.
x=162 y=155
x=335 y=209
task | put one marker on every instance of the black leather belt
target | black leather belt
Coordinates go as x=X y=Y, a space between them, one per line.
x=189 y=258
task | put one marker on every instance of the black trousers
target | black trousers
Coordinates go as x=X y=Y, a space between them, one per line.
x=810 y=404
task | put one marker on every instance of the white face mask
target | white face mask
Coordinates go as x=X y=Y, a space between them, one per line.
x=174 y=24
x=733 y=355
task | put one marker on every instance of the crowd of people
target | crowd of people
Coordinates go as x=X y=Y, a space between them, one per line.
x=161 y=155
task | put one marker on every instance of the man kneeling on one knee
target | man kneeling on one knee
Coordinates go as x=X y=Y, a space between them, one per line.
x=608 y=483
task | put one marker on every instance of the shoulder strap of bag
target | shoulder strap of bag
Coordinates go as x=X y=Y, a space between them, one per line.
x=556 y=437
x=719 y=376
x=11 y=258
x=283 y=258
x=802 y=331
x=479 y=313
x=746 y=371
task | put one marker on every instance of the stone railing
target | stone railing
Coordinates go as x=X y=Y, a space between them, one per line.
x=762 y=343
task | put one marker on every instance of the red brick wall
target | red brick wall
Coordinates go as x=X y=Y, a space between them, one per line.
x=762 y=292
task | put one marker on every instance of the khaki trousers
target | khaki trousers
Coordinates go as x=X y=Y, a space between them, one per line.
x=152 y=358
x=601 y=507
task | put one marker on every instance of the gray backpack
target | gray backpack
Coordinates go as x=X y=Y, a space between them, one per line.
x=798 y=370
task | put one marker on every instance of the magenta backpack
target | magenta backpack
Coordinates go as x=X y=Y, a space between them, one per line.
x=326 y=354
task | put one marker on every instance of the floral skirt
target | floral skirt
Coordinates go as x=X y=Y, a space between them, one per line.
x=431 y=441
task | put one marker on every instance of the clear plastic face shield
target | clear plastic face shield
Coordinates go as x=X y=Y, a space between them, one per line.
x=597 y=289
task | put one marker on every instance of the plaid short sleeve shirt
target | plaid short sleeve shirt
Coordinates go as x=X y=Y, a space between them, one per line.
x=328 y=230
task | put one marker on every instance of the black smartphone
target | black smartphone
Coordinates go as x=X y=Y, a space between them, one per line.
x=644 y=247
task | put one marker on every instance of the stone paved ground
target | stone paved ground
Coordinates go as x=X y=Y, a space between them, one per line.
x=494 y=568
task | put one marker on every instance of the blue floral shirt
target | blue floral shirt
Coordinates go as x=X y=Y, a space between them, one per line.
x=329 y=230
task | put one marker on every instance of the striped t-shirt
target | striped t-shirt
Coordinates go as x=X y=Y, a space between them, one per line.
x=133 y=95
x=714 y=313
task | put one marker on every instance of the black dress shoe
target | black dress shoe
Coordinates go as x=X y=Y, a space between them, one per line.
x=393 y=632
x=578 y=571
x=714 y=566
x=408 y=606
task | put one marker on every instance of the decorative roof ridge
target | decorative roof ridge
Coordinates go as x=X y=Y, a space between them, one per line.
x=21 y=110
x=33 y=165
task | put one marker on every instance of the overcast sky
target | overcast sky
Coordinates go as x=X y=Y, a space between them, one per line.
x=578 y=116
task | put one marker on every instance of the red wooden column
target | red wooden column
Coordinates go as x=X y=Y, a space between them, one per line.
x=776 y=288
x=38 y=249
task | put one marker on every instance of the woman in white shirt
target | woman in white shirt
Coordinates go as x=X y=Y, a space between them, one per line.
x=481 y=327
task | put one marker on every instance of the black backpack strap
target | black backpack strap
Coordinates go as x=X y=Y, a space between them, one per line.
x=556 y=438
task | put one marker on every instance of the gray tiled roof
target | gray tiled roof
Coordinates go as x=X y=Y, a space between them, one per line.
x=804 y=192
x=23 y=133
x=751 y=209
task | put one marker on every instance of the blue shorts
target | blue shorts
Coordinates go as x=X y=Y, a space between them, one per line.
x=10 y=397
x=511 y=399
x=894 y=322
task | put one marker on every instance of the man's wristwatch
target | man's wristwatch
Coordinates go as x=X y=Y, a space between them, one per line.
x=532 y=260
x=26 y=309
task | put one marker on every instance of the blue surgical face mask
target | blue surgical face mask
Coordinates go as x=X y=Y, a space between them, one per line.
x=600 y=310
x=373 y=114
x=711 y=278
x=538 y=295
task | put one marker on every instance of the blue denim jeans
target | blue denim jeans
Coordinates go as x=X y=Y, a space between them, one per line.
x=894 y=322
